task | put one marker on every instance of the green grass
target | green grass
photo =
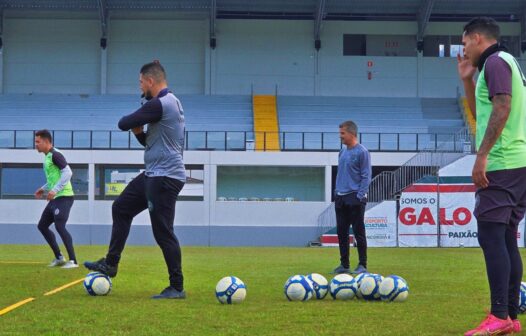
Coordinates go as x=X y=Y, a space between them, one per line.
x=448 y=294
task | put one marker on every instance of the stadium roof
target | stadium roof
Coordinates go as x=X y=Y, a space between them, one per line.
x=421 y=11
x=441 y=10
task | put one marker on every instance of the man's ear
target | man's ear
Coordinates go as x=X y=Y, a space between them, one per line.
x=151 y=82
x=477 y=37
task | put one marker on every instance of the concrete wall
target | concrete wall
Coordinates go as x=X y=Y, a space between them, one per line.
x=207 y=222
x=51 y=56
x=179 y=45
x=58 y=55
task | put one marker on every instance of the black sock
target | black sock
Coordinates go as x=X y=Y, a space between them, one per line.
x=112 y=260
x=177 y=288
x=492 y=240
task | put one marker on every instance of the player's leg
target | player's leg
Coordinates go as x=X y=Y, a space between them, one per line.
x=343 y=223
x=162 y=195
x=515 y=277
x=491 y=236
x=129 y=204
x=492 y=239
x=493 y=212
x=513 y=250
x=358 y=227
x=61 y=215
x=44 y=223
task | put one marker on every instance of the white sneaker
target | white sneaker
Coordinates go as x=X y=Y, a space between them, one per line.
x=57 y=262
x=70 y=264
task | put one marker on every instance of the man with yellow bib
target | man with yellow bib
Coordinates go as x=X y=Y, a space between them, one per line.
x=59 y=196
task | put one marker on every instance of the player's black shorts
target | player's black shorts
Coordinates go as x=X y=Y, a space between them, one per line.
x=504 y=200
x=59 y=208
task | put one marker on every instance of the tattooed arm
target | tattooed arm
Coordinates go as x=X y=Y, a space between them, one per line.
x=496 y=123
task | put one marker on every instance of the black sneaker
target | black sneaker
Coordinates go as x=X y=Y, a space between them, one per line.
x=359 y=269
x=341 y=270
x=102 y=267
x=170 y=293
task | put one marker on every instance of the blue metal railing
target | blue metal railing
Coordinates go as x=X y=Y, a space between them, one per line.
x=235 y=140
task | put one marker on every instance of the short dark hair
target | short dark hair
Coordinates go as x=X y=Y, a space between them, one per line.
x=483 y=25
x=155 y=70
x=350 y=126
x=44 y=134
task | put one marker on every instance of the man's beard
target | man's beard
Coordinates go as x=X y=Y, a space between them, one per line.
x=147 y=95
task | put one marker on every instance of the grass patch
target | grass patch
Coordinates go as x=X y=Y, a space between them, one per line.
x=448 y=294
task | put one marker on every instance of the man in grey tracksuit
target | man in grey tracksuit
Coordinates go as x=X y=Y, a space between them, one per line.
x=157 y=188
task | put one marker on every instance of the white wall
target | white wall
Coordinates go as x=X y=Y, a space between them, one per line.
x=191 y=213
x=57 y=55
x=51 y=56
x=348 y=76
x=178 y=44
x=440 y=77
x=264 y=54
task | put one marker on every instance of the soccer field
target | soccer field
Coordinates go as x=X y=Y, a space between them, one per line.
x=448 y=294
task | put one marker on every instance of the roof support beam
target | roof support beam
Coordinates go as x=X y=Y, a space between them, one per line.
x=213 y=15
x=320 y=14
x=523 y=29
x=2 y=5
x=103 y=14
x=424 y=13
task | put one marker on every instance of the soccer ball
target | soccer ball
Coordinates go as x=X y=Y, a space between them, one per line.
x=358 y=280
x=370 y=285
x=320 y=285
x=343 y=287
x=298 y=288
x=231 y=290
x=522 y=298
x=393 y=288
x=97 y=283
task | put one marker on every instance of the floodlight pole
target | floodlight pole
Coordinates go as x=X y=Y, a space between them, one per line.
x=213 y=14
x=103 y=15
x=523 y=31
x=2 y=4
x=210 y=55
x=424 y=13
x=320 y=14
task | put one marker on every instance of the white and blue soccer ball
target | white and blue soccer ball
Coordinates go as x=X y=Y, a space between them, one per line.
x=394 y=288
x=343 y=287
x=522 y=298
x=358 y=280
x=230 y=290
x=320 y=285
x=370 y=286
x=97 y=284
x=298 y=288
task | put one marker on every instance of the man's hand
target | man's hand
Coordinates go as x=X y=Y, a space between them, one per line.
x=39 y=193
x=138 y=129
x=51 y=195
x=479 y=172
x=466 y=70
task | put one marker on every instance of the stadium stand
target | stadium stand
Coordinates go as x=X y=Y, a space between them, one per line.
x=374 y=116
x=266 y=126
x=226 y=121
